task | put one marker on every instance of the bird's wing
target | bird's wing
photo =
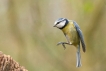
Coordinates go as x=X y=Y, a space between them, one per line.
x=80 y=35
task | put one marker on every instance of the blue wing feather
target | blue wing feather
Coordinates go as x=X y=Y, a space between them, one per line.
x=80 y=35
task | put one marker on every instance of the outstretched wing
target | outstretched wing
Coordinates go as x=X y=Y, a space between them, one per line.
x=80 y=35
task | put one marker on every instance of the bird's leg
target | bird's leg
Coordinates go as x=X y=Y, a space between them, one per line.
x=63 y=44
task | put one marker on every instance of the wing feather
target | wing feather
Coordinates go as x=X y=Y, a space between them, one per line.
x=80 y=35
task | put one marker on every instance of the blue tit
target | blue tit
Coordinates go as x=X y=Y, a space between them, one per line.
x=73 y=35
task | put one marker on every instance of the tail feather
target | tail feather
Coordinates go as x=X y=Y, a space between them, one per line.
x=78 y=57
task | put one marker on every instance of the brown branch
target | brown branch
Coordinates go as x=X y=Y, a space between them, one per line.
x=8 y=64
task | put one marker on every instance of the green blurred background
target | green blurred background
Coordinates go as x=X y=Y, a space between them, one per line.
x=28 y=35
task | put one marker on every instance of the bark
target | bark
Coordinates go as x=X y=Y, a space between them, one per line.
x=8 y=64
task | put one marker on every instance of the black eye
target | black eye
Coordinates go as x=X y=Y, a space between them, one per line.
x=58 y=22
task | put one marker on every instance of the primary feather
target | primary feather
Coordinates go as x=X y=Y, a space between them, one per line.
x=80 y=35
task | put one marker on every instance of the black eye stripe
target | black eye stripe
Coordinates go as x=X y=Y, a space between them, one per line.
x=60 y=21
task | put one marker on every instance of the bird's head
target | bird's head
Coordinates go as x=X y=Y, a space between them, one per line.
x=61 y=23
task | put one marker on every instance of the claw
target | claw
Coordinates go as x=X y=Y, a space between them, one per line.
x=59 y=43
x=62 y=44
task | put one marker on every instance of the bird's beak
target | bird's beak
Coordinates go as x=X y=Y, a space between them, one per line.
x=54 y=26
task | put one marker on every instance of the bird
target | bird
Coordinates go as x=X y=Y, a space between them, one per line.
x=73 y=35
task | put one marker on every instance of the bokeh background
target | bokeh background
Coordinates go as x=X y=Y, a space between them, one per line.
x=28 y=35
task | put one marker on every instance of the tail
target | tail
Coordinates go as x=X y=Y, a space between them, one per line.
x=78 y=57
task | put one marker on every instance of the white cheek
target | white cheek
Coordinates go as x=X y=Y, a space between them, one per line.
x=61 y=24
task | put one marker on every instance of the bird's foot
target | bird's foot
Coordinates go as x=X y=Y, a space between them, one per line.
x=63 y=44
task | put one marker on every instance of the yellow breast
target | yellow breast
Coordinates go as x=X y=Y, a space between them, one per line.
x=71 y=32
